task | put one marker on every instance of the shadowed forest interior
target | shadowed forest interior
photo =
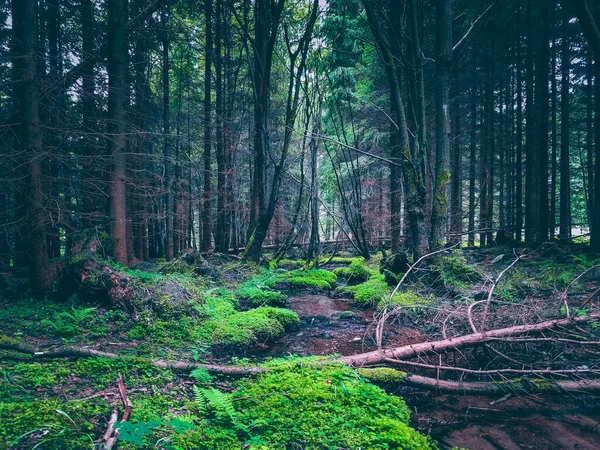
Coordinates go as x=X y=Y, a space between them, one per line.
x=299 y=224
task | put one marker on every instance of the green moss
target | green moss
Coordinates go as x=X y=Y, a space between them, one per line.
x=382 y=375
x=408 y=299
x=356 y=272
x=246 y=328
x=312 y=278
x=49 y=423
x=306 y=406
x=455 y=272
x=371 y=292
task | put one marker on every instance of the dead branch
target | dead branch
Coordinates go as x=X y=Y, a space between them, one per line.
x=114 y=416
x=494 y=284
x=496 y=371
x=409 y=351
x=490 y=387
x=126 y=402
x=83 y=352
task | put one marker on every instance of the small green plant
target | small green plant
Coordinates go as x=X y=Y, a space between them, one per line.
x=68 y=323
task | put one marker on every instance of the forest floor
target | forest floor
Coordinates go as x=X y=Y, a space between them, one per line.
x=291 y=321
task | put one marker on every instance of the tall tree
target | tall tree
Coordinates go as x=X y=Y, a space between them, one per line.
x=439 y=211
x=25 y=35
x=565 y=171
x=207 y=188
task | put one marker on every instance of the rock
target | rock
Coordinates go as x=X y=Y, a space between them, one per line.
x=392 y=265
x=345 y=315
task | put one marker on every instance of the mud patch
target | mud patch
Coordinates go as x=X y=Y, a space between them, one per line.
x=543 y=422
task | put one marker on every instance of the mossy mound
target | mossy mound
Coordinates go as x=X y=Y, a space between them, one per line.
x=356 y=273
x=304 y=405
x=369 y=293
x=454 y=272
x=393 y=266
x=312 y=278
x=91 y=279
x=258 y=291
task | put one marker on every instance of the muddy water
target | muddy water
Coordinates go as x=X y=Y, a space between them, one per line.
x=334 y=326
x=327 y=326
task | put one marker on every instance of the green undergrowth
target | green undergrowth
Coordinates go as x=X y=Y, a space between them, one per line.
x=356 y=272
x=376 y=292
x=454 y=271
x=301 y=403
x=219 y=325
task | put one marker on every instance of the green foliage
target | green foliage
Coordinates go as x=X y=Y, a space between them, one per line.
x=356 y=272
x=201 y=375
x=258 y=292
x=68 y=323
x=135 y=432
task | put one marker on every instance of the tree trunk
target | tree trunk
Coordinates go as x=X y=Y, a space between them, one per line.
x=439 y=213
x=472 y=148
x=519 y=131
x=565 y=173
x=25 y=30
x=118 y=99
x=167 y=153
x=207 y=188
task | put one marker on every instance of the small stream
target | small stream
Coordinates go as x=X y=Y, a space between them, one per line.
x=327 y=326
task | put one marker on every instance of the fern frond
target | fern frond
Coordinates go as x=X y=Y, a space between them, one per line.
x=201 y=375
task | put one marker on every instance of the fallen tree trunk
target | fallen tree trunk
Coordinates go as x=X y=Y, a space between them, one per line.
x=492 y=387
x=410 y=351
x=85 y=352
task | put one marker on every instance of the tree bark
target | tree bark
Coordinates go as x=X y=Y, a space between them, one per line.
x=565 y=172
x=439 y=213
x=25 y=32
x=207 y=187
x=118 y=98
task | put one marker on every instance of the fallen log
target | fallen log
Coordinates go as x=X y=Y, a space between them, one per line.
x=492 y=387
x=410 y=351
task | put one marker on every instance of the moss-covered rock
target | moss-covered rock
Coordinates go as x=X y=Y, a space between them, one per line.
x=357 y=272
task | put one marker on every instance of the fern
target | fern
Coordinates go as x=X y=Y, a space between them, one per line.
x=201 y=375
x=199 y=400
x=219 y=404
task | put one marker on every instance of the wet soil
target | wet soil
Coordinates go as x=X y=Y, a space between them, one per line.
x=532 y=422
x=331 y=325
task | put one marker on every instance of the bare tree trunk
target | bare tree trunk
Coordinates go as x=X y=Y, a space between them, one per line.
x=519 y=131
x=117 y=105
x=439 y=213
x=25 y=31
x=472 y=148
x=565 y=171
x=207 y=190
